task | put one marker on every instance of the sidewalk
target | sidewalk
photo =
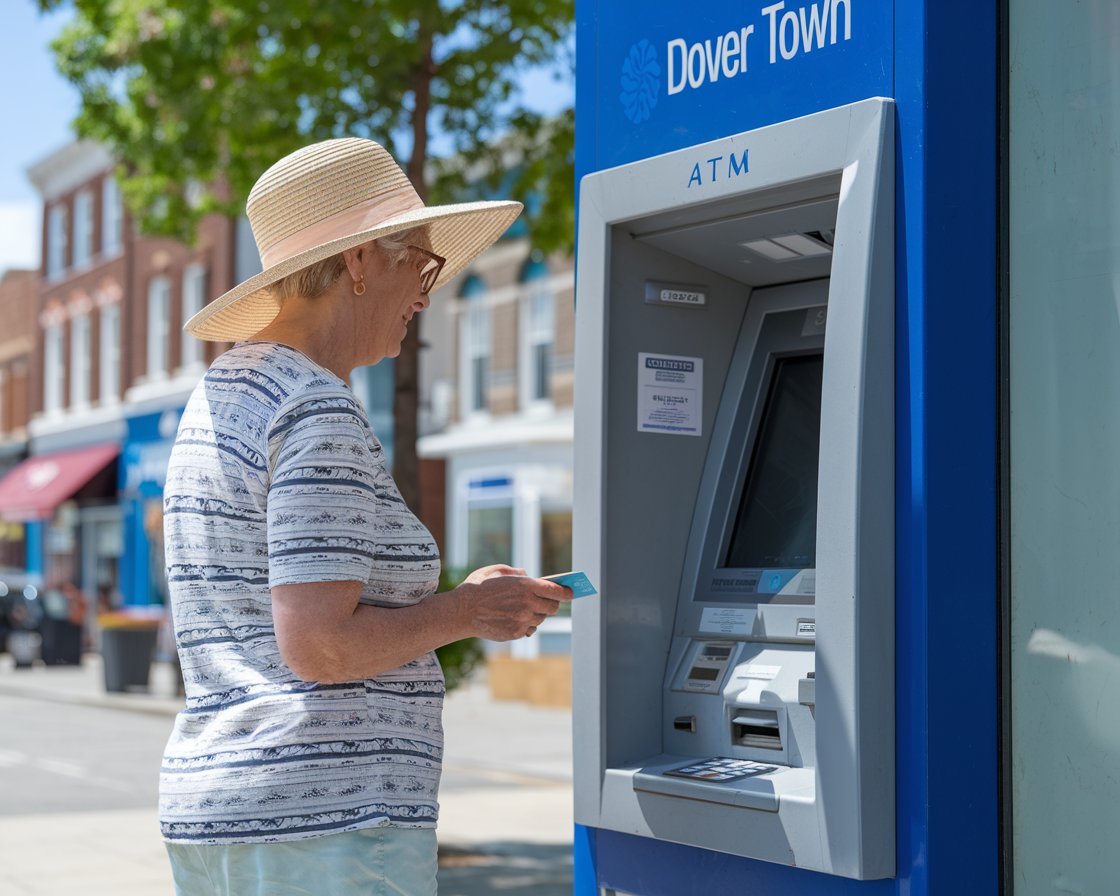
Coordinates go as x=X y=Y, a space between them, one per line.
x=505 y=819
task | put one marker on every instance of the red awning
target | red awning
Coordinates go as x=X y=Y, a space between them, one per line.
x=33 y=489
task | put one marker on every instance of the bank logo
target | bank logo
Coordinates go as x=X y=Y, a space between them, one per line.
x=641 y=82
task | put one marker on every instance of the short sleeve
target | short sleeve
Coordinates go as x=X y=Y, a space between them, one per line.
x=321 y=498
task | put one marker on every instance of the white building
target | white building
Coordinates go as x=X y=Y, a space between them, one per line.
x=497 y=381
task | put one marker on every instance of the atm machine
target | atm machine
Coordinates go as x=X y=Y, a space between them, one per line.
x=735 y=495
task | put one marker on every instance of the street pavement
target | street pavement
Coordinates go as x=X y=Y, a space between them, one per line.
x=77 y=788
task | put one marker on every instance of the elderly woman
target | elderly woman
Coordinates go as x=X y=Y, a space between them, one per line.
x=307 y=759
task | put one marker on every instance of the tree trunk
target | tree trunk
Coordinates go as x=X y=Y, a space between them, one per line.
x=406 y=396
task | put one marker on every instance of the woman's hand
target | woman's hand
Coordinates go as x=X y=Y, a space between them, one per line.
x=501 y=603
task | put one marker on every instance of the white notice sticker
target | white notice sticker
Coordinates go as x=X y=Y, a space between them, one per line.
x=670 y=394
x=726 y=621
x=754 y=670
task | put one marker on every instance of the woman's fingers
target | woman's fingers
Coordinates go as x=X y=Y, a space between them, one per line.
x=506 y=607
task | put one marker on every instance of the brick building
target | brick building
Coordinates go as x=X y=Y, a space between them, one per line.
x=112 y=376
x=104 y=317
x=19 y=294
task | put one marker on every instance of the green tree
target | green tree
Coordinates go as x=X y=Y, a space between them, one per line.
x=211 y=92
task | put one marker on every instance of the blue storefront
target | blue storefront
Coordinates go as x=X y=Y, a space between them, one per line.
x=143 y=471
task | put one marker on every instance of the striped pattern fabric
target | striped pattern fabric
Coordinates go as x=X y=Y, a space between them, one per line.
x=276 y=478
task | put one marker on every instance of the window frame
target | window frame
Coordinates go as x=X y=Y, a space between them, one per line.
x=196 y=277
x=475 y=349
x=538 y=332
x=157 y=354
x=57 y=238
x=83 y=229
x=109 y=354
x=81 y=360
x=112 y=217
x=53 y=368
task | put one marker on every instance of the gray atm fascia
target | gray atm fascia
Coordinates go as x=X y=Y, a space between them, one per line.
x=630 y=538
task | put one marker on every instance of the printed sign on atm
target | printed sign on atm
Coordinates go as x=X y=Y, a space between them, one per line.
x=579 y=583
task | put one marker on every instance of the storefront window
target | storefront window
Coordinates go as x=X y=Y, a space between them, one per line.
x=489 y=535
x=556 y=541
x=153 y=528
x=556 y=545
x=1064 y=355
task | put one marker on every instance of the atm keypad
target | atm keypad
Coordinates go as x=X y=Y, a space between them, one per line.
x=721 y=770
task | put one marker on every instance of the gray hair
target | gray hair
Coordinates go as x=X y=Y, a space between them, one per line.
x=315 y=279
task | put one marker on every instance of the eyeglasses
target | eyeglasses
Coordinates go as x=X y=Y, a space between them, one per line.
x=428 y=264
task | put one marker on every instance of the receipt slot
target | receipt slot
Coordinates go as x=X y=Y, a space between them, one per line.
x=734 y=682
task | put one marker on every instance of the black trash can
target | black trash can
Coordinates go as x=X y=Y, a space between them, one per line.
x=126 y=655
x=62 y=642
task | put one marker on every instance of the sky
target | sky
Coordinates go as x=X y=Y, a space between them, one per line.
x=38 y=106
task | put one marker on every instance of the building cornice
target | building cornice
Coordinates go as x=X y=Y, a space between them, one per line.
x=514 y=430
x=149 y=397
x=20 y=346
x=76 y=427
x=69 y=167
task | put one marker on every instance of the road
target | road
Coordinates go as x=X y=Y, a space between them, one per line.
x=60 y=758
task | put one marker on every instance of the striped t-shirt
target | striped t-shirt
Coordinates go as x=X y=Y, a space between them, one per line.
x=276 y=478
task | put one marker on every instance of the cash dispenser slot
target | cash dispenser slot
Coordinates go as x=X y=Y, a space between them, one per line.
x=756 y=728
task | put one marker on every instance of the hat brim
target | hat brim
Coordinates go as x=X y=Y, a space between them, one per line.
x=459 y=232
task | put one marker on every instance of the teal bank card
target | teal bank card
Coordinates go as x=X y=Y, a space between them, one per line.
x=579 y=583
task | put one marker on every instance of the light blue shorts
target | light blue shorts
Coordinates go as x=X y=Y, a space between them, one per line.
x=385 y=861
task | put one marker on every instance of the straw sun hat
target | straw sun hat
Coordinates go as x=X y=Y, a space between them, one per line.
x=332 y=196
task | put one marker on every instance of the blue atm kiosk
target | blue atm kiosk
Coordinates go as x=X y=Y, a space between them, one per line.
x=757 y=689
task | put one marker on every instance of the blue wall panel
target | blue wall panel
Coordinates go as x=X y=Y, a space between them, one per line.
x=34 y=540
x=946 y=79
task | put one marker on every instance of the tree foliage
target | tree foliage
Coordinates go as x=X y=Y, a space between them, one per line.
x=197 y=97
x=190 y=93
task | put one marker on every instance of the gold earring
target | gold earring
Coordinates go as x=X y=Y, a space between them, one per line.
x=360 y=287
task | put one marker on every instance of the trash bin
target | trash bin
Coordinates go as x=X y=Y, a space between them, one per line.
x=60 y=627
x=128 y=644
x=62 y=642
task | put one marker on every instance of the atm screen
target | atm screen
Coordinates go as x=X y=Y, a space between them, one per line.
x=776 y=525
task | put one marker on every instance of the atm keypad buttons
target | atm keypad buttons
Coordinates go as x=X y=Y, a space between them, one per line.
x=721 y=770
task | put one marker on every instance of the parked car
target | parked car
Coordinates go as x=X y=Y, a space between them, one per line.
x=40 y=622
x=21 y=615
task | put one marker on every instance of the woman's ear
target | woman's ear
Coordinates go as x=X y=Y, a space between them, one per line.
x=354 y=259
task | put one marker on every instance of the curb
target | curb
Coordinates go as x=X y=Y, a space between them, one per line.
x=124 y=702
